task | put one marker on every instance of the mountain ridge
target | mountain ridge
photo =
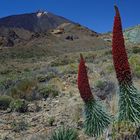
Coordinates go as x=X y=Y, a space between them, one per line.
x=28 y=28
x=47 y=29
x=33 y=22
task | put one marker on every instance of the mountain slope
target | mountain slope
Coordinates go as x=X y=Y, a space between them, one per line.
x=45 y=31
x=72 y=39
x=35 y=22
x=132 y=34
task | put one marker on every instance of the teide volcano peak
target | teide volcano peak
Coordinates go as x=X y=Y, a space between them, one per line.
x=39 y=21
x=47 y=29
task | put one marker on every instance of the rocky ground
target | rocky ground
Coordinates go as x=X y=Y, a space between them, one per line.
x=63 y=106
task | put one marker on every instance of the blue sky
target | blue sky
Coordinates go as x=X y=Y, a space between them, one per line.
x=95 y=14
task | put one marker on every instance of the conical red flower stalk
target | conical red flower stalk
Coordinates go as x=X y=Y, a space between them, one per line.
x=83 y=83
x=120 y=58
x=96 y=119
x=129 y=99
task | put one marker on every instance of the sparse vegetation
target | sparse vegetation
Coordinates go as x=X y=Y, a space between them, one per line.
x=41 y=78
x=135 y=63
x=19 y=105
x=124 y=130
x=5 y=101
x=51 y=120
x=64 y=133
x=24 y=89
x=100 y=84
x=45 y=68
x=137 y=71
x=136 y=50
x=18 y=126
x=108 y=52
x=48 y=91
x=51 y=75
x=109 y=68
x=70 y=69
x=62 y=61
x=6 y=71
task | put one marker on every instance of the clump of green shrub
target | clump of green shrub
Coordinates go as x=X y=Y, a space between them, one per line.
x=18 y=126
x=136 y=50
x=24 y=89
x=135 y=63
x=109 y=68
x=41 y=78
x=62 y=61
x=5 y=101
x=6 y=84
x=51 y=120
x=64 y=133
x=100 y=84
x=51 y=75
x=48 y=91
x=5 y=71
x=19 y=105
x=108 y=52
x=137 y=71
x=46 y=77
x=123 y=130
x=70 y=69
x=26 y=84
x=134 y=60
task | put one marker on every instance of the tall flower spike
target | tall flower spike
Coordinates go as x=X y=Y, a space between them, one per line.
x=120 y=58
x=83 y=83
x=96 y=119
x=129 y=101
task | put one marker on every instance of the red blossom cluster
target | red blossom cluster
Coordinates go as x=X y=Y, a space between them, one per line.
x=120 y=58
x=83 y=83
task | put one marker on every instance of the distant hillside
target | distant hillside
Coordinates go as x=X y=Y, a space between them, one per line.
x=71 y=39
x=35 y=22
x=132 y=34
x=44 y=32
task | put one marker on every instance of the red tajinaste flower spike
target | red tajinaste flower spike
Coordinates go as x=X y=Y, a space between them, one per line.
x=129 y=103
x=83 y=83
x=120 y=58
x=96 y=119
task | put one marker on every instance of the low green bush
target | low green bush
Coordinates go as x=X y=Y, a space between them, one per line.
x=65 y=60
x=41 y=78
x=135 y=64
x=64 y=133
x=48 y=91
x=124 y=130
x=24 y=89
x=45 y=77
x=51 y=120
x=70 y=69
x=136 y=50
x=109 y=68
x=18 y=126
x=5 y=101
x=19 y=106
x=137 y=71
x=100 y=84
x=108 y=52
